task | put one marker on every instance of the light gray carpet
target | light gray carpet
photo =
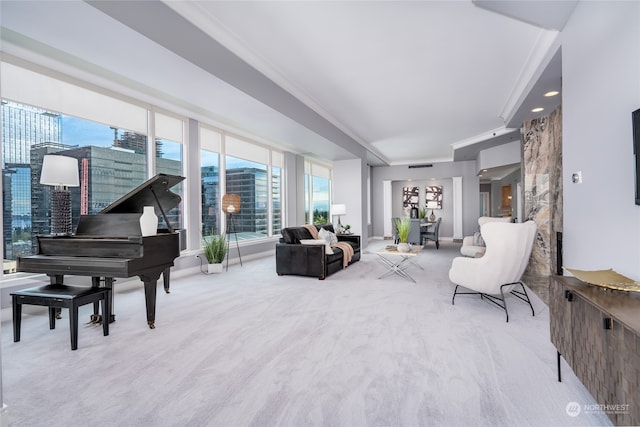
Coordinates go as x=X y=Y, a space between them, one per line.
x=249 y=348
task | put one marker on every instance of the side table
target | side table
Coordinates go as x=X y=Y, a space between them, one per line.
x=397 y=262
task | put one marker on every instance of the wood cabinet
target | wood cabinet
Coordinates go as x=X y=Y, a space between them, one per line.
x=597 y=331
x=505 y=200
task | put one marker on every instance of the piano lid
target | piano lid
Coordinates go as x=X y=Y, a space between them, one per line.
x=154 y=192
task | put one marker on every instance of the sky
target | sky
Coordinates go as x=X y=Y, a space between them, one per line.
x=83 y=132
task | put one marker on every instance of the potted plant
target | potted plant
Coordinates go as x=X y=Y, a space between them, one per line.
x=215 y=249
x=422 y=214
x=403 y=225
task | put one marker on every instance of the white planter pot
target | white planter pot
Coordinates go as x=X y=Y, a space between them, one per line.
x=404 y=247
x=214 y=268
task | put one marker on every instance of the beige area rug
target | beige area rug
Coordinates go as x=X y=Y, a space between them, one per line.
x=249 y=348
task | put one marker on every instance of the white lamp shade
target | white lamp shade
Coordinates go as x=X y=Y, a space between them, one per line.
x=338 y=209
x=60 y=171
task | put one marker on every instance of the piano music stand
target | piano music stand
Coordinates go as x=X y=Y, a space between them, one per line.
x=231 y=206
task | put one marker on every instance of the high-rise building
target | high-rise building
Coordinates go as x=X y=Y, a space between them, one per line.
x=210 y=176
x=251 y=185
x=23 y=127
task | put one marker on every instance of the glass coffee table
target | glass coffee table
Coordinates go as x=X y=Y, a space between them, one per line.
x=398 y=262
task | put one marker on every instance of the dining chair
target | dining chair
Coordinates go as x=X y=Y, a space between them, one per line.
x=431 y=233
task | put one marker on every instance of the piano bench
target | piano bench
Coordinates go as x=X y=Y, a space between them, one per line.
x=60 y=296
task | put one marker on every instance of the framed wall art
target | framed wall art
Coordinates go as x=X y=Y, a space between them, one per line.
x=410 y=196
x=433 y=197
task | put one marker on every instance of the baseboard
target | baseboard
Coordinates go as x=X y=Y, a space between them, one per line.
x=4 y=416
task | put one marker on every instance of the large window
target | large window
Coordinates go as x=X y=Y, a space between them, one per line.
x=253 y=172
x=320 y=188
x=317 y=193
x=249 y=180
x=169 y=160
x=111 y=162
x=116 y=141
x=210 y=143
x=276 y=199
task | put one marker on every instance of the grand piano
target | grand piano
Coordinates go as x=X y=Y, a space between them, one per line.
x=110 y=244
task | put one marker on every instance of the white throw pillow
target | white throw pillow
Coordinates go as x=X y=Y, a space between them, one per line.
x=477 y=239
x=327 y=245
x=324 y=234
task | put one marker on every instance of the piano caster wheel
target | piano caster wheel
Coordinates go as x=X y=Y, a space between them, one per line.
x=95 y=319
x=152 y=325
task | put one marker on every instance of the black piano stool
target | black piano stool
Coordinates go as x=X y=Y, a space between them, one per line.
x=59 y=296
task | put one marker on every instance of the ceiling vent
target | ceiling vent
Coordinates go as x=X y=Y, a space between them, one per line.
x=420 y=166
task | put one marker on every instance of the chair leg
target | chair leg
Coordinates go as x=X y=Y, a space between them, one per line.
x=499 y=301
x=53 y=314
x=73 y=325
x=105 y=312
x=524 y=296
x=504 y=303
x=17 y=319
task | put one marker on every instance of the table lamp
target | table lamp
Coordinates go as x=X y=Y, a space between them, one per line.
x=60 y=172
x=339 y=210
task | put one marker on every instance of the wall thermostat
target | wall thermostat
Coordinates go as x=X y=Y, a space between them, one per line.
x=576 y=177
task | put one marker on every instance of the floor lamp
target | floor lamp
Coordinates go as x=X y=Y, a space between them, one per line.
x=231 y=207
x=61 y=172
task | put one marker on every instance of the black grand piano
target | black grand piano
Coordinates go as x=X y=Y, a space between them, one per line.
x=110 y=244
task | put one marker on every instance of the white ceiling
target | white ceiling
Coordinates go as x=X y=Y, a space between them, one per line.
x=408 y=80
x=400 y=82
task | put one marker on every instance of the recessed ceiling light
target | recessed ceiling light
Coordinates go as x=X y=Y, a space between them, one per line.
x=537 y=110
x=551 y=93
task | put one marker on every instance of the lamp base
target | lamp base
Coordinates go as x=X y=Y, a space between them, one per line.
x=61 y=212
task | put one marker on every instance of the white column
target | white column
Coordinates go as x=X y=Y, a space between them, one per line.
x=386 y=208
x=457 y=208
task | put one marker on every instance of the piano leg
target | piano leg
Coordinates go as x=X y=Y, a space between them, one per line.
x=96 y=317
x=150 y=286
x=165 y=278
x=57 y=279
x=108 y=283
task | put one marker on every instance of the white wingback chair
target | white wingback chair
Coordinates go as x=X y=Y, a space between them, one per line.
x=470 y=247
x=498 y=272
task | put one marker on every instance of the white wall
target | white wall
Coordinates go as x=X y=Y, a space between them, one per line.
x=505 y=154
x=601 y=87
x=349 y=187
